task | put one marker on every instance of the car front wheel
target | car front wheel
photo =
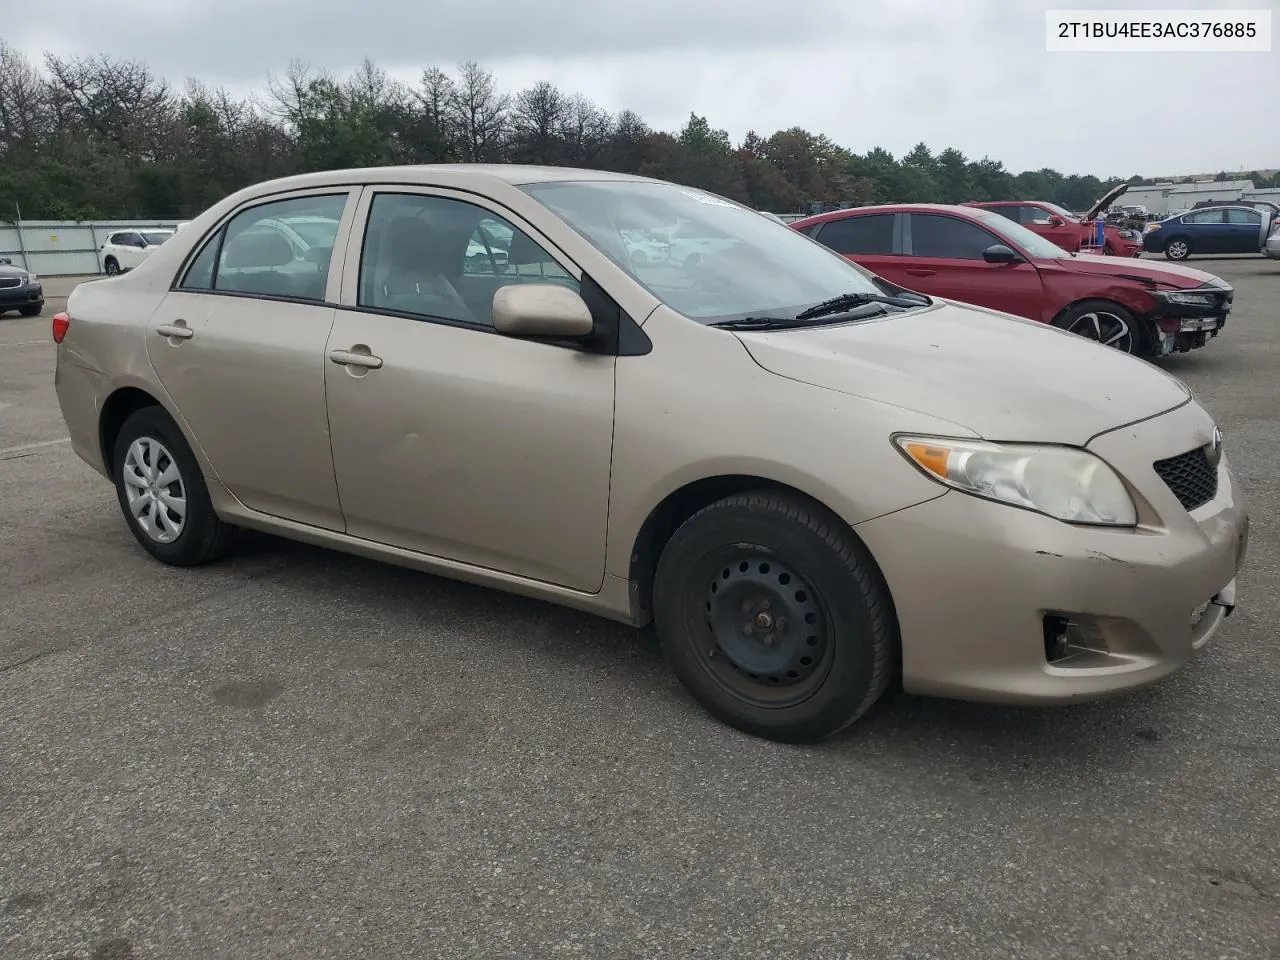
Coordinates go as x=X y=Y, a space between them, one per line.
x=163 y=494
x=1106 y=323
x=774 y=617
x=1177 y=249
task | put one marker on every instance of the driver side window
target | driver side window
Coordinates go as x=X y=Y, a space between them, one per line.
x=443 y=259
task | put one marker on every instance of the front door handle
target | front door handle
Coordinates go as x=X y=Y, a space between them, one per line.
x=178 y=330
x=921 y=273
x=356 y=357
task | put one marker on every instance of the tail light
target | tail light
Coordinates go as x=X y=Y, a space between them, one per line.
x=61 y=324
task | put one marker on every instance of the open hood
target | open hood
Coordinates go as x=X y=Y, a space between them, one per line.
x=1107 y=200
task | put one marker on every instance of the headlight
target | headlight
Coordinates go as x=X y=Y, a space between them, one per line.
x=1151 y=226
x=32 y=278
x=1066 y=483
x=1189 y=298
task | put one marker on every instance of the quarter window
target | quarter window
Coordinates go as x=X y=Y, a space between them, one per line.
x=870 y=234
x=444 y=259
x=260 y=252
x=948 y=238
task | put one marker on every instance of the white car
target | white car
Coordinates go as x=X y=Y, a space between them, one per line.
x=125 y=249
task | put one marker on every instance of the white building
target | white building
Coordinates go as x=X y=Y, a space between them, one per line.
x=1161 y=198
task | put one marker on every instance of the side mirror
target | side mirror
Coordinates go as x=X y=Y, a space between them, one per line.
x=540 y=310
x=1055 y=221
x=999 y=253
x=6 y=261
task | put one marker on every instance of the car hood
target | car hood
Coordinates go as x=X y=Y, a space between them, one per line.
x=1171 y=276
x=1106 y=200
x=7 y=271
x=1002 y=377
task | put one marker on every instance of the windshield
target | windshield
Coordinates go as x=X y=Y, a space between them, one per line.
x=154 y=239
x=1030 y=241
x=1065 y=214
x=703 y=256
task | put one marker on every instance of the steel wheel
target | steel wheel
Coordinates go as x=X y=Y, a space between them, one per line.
x=154 y=489
x=1104 y=327
x=1177 y=250
x=767 y=628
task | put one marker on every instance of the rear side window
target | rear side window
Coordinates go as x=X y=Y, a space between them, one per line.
x=948 y=238
x=259 y=252
x=1252 y=217
x=870 y=234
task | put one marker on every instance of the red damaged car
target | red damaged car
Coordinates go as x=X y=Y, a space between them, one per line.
x=1066 y=229
x=977 y=256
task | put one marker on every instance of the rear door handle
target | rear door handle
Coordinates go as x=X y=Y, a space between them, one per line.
x=178 y=330
x=921 y=273
x=351 y=358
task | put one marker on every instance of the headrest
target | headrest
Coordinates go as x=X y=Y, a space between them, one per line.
x=258 y=249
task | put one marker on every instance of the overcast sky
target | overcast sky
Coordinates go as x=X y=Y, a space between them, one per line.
x=972 y=74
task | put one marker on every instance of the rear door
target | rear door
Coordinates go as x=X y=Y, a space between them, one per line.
x=944 y=259
x=131 y=249
x=1245 y=232
x=239 y=346
x=868 y=240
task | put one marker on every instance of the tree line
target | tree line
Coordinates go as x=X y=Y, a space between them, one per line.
x=103 y=137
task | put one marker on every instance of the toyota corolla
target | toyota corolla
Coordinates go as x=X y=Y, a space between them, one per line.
x=814 y=482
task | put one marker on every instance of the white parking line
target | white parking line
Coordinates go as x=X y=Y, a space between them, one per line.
x=7 y=451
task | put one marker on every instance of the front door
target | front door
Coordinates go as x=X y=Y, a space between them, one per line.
x=944 y=259
x=239 y=347
x=450 y=439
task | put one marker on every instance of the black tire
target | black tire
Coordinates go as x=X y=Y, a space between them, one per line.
x=1109 y=324
x=203 y=536
x=31 y=310
x=816 y=576
x=112 y=266
x=1177 y=248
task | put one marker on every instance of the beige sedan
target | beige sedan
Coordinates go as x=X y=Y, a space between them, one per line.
x=814 y=483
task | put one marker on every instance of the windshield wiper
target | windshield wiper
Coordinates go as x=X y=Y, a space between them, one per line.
x=847 y=301
x=789 y=323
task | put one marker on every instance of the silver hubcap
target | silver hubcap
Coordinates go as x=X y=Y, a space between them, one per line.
x=155 y=491
x=1178 y=249
x=1106 y=328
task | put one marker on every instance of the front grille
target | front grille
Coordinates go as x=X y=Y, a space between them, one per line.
x=10 y=282
x=1191 y=477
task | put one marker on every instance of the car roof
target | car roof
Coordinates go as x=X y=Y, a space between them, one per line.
x=956 y=209
x=445 y=173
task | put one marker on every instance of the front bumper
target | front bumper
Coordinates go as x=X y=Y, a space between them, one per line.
x=26 y=295
x=984 y=591
x=1181 y=327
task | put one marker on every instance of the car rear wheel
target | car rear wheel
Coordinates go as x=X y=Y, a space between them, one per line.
x=1177 y=249
x=162 y=493
x=111 y=265
x=774 y=617
x=1106 y=323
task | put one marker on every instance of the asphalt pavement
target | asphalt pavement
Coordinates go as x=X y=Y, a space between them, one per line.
x=297 y=754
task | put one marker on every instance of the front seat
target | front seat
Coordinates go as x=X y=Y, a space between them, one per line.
x=416 y=280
